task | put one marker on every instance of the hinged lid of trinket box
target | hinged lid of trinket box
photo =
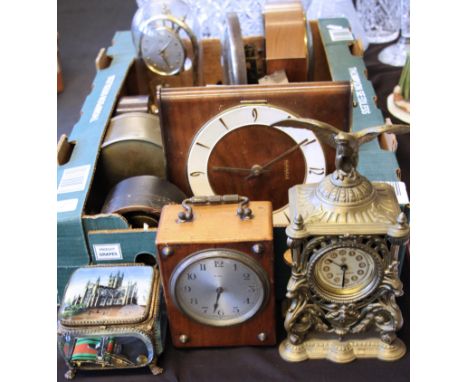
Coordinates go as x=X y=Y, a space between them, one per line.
x=110 y=317
x=107 y=295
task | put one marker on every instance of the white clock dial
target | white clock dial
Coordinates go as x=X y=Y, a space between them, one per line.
x=219 y=287
x=344 y=273
x=238 y=151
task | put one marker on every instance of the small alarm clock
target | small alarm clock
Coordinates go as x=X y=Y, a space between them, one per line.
x=216 y=261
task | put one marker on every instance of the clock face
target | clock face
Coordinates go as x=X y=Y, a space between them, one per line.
x=219 y=287
x=238 y=152
x=344 y=273
x=162 y=50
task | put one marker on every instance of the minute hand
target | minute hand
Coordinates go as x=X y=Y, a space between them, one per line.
x=278 y=158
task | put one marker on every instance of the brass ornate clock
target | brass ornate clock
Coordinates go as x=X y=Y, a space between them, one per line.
x=219 y=140
x=216 y=261
x=165 y=35
x=344 y=241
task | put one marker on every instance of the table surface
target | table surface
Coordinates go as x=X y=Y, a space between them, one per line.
x=84 y=27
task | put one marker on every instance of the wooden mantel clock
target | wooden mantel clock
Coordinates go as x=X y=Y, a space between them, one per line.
x=216 y=261
x=344 y=242
x=219 y=140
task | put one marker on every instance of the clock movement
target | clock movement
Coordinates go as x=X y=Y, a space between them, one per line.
x=344 y=240
x=216 y=261
x=219 y=140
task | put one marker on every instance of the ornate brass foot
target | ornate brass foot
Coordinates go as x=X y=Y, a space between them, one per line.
x=70 y=374
x=155 y=370
x=342 y=351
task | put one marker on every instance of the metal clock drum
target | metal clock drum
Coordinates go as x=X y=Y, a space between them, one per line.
x=219 y=287
x=223 y=157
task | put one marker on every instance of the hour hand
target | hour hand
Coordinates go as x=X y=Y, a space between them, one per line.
x=236 y=170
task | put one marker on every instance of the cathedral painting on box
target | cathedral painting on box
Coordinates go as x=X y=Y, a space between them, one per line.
x=107 y=293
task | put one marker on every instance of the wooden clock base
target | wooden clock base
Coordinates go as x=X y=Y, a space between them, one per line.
x=342 y=351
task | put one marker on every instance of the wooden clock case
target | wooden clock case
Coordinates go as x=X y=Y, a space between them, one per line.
x=218 y=226
x=183 y=111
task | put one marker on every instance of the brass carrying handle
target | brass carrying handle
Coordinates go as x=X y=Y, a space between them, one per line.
x=243 y=211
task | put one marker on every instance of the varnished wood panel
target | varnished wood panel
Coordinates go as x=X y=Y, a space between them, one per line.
x=216 y=224
x=285 y=39
x=204 y=335
x=184 y=111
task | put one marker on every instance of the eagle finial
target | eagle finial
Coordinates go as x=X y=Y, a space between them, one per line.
x=346 y=144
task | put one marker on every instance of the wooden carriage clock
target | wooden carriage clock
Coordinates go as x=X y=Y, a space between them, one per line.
x=216 y=261
x=219 y=140
x=344 y=242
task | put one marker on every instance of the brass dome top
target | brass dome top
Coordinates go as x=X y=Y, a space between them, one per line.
x=347 y=192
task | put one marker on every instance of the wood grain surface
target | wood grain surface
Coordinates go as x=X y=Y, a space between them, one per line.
x=218 y=226
x=286 y=18
x=184 y=111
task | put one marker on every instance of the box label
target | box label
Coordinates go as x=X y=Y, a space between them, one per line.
x=359 y=91
x=67 y=205
x=400 y=191
x=107 y=252
x=73 y=179
x=102 y=98
x=339 y=33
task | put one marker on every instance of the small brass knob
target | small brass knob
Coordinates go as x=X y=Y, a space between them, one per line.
x=183 y=338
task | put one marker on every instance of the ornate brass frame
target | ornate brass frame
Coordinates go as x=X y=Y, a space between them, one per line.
x=344 y=208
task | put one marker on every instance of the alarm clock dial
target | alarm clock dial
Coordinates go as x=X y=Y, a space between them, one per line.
x=343 y=273
x=219 y=287
x=163 y=51
x=239 y=152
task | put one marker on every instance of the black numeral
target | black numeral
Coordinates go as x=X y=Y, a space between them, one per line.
x=191 y=276
x=247 y=300
x=193 y=301
x=235 y=309
x=252 y=289
x=219 y=264
x=187 y=288
x=203 y=267
x=316 y=171
x=220 y=313
x=204 y=309
x=246 y=276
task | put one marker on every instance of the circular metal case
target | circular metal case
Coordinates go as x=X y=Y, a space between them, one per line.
x=208 y=262
x=132 y=146
x=140 y=199
x=361 y=290
x=234 y=63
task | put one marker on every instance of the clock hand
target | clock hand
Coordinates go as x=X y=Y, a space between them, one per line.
x=219 y=290
x=165 y=60
x=343 y=268
x=164 y=48
x=278 y=158
x=232 y=169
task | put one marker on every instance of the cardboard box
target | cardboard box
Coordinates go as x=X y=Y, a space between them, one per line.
x=85 y=236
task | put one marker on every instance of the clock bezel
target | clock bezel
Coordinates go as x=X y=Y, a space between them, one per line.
x=244 y=111
x=159 y=22
x=213 y=253
x=355 y=295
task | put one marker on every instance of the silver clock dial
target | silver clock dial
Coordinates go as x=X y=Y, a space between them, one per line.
x=219 y=287
x=163 y=51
